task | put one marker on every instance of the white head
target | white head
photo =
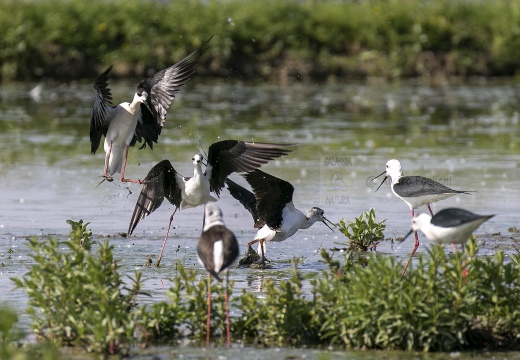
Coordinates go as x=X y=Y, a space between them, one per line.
x=420 y=221
x=317 y=214
x=213 y=215
x=393 y=169
x=197 y=159
x=140 y=96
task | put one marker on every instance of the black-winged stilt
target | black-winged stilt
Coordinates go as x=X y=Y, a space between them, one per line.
x=415 y=191
x=217 y=250
x=139 y=121
x=448 y=226
x=224 y=158
x=272 y=208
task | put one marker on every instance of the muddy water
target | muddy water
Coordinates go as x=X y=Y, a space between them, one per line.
x=466 y=137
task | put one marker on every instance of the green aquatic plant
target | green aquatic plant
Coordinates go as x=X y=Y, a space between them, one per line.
x=435 y=307
x=11 y=346
x=444 y=303
x=78 y=298
x=185 y=314
x=283 y=317
x=80 y=234
x=364 y=232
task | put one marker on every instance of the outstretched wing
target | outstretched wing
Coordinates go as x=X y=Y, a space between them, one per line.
x=272 y=194
x=228 y=156
x=161 y=182
x=101 y=111
x=244 y=196
x=161 y=89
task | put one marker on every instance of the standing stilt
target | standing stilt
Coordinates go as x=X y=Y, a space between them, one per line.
x=217 y=249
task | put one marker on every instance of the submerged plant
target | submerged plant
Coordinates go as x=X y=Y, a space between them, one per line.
x=364 y=232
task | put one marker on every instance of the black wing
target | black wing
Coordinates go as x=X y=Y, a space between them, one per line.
x=411 y=186
x=228 y=156
x=245 y=197
x=161 y=89
x=272 y=194
x=161 y=182
x=100 y=119
x=147 y=129
x=452 y=217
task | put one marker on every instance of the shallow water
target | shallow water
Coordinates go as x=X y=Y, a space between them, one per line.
x=466 y=137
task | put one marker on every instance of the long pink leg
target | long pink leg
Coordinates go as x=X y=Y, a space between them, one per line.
x=124 y=167
x=262 y=248
x=166 y=237
x=465 y=271
x=416 y=245
x=226 y=300
x=252 y=242
x=208 y=321
x=429 y=208
x=107 y=158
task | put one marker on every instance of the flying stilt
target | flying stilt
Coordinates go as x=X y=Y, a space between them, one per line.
x=415 y=191
x=224 y=158
x=448 y=226
x=217 y=249
x=272 y=208
x=140 y=120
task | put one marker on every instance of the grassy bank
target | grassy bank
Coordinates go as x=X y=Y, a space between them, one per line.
x=78 y=298
x=264 y=39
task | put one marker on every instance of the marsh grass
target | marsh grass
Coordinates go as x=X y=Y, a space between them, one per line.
x=77 y=298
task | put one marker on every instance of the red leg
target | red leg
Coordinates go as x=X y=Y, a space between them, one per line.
x=208 y=321
x=166 y=237
x=107 y=158
x=262 y=248
x=124 y=167
x=416 y=245
x=465 y=271
x=226 y=300
x=454 y=248
x=429 y=208
x=252 y=242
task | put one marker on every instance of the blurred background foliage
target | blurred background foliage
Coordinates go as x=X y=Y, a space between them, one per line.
x=264 y=39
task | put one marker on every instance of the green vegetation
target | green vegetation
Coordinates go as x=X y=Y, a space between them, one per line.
x=10 y=341
x=77 y=298
x=364 y=232
x=263 y=38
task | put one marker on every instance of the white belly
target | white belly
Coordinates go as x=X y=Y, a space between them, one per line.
x=119 y=134
x=196 y=193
